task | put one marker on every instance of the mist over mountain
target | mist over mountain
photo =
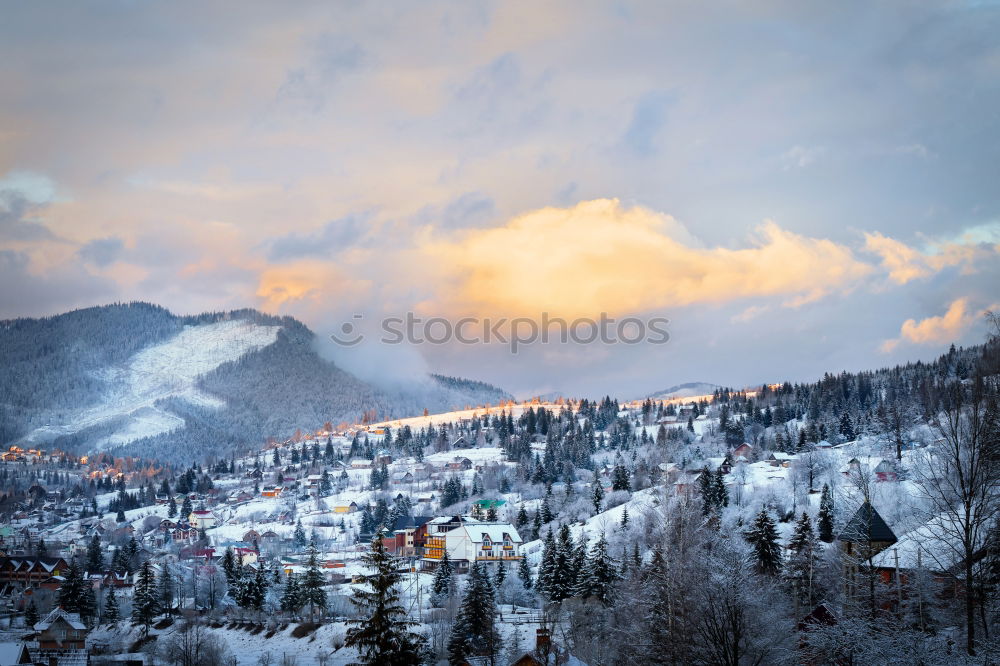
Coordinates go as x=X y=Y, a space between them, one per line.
x=136 y=379
x=686 y=390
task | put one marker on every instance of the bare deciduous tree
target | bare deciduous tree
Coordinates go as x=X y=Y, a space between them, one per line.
x=960 y=477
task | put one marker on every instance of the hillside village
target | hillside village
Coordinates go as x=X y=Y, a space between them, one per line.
x=819 y=497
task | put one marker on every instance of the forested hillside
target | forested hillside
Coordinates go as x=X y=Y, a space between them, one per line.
x=137 y=378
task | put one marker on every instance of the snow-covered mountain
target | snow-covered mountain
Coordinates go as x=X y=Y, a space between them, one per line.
x=139 y=380
x=688 y=390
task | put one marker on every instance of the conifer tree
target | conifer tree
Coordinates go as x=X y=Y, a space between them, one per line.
x=546 y=511
x=562 y=579
x=382 y=634
x=546 y=570
x=229 y=566
x=186 y=509
x=720 y=492
x=311 y=586
x=501 y=574
x=825 y=517
x=475 y=632
x=620 y=478
x=291 y=598
x=707 y=492
x=763 y=538
x=111 y=612
x=95 y=556
x=88 y=603
x=803 y=562
x=31 y=614
x=524 y=573
x=598 y=495
x=442 y=576
x=300 y=535
x=166 y=589
x=71 y=590
x=597 y=580
x=145 y=605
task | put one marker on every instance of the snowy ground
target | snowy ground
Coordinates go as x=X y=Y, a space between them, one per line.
x=169 y=369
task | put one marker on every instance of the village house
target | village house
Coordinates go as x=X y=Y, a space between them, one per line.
x=270 y=491
x=30 y=571
x=744 y=450
x=780 y=459
x=725 y=465
x=882 y=469
x=202 y=520
x=60 y=639
x=459 y=464
x=345 y=507
x=401 y=478
x=864 y=536
x=246 y=556
x=471 y=541
x=686 y=484
x=407 y=536
x=934 y=547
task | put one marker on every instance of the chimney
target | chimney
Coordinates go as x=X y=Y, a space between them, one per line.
x=542 y=640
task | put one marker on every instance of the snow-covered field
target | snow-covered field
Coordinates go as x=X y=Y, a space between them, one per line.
x=169 y=369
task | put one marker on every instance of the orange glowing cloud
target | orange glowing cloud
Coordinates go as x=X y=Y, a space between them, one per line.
x=935 y=330
x=306 y=285
x=601 y=256
x=905 y=263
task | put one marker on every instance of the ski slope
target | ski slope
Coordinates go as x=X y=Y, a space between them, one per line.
x=168 y=370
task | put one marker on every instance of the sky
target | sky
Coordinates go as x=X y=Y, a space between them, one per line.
x=797 y=187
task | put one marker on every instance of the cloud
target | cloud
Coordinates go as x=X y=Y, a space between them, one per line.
x=324 y=242
x=102 y=251
x=22 y=196
x=938 y=329
x=905 y=263
x=601 y=256
x=309 y=286
x=29 y=292
x=470 y=209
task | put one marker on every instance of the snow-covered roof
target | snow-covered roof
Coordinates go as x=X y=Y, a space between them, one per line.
x=935 y=545
x=494 y=531
x=869 y=463
x=72 y=619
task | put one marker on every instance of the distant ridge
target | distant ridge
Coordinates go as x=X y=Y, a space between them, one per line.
x=687 y=390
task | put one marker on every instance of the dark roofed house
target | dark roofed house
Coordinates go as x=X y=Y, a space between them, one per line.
x=864 y=536
x=867 y=526
x=60 y=640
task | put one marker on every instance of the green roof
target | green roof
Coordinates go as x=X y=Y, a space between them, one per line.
x=490 y=504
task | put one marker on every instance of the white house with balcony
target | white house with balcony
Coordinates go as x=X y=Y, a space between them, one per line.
x=472 y=541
